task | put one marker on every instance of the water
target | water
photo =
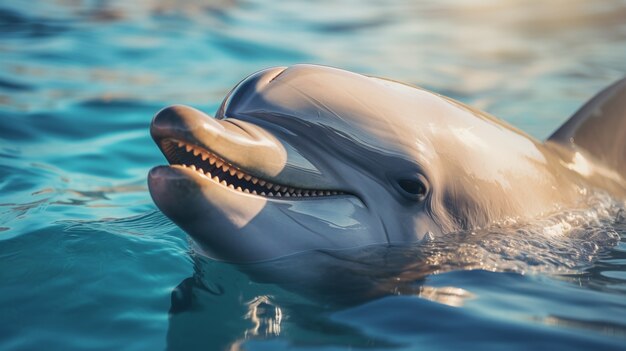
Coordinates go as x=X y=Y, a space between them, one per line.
x=86 y=261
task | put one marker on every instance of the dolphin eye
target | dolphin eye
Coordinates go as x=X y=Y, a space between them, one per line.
x=414 y=187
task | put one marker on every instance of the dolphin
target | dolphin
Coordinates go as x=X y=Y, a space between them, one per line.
x=308 y=157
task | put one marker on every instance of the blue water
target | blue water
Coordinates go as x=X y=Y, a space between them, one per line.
x=88 y=263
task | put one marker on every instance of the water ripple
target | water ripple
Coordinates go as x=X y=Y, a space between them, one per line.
x=153 y=223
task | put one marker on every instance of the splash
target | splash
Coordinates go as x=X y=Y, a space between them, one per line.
x=563 y=242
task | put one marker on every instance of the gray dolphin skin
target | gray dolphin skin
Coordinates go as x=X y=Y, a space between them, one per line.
x=311 y=158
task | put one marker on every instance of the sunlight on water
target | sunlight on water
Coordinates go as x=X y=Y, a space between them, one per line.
x=87 y=262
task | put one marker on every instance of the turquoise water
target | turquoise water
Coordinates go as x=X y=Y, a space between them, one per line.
x=87 y=262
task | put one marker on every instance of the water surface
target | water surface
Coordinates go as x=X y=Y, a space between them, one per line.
x=87 y=262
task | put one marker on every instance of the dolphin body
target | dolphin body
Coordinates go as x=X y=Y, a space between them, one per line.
x=310 y=158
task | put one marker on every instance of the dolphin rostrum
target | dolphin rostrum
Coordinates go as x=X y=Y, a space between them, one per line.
x=315 y=158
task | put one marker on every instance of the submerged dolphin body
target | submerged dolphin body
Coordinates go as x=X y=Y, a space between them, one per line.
x=315 y=158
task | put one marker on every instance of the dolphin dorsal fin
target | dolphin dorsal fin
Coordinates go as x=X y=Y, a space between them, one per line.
x=598 y=128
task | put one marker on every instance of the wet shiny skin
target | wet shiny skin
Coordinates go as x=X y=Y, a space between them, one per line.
x=88 y=262
x=364 y=136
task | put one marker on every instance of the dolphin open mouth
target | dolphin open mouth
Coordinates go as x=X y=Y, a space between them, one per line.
x=224 y=173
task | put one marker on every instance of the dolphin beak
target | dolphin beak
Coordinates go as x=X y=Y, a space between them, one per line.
x=234 y=141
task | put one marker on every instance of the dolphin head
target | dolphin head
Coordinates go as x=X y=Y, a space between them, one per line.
x=299 y=159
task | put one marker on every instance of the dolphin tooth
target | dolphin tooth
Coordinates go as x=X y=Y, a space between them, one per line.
x=219 y=163
x=208 y=174
x=200 y=170
x=193 y=167
x=291 y=190
x=204 y=156
x=333 y=192
x=276 y=187
x=223 y=182
x=225 y=167
x=188 y=147
x=262 y=182
x=263 y=193
x=239 y=188
x=232 y=171
x=181 y=144
x=216 y=179
x=306 y=194
x=298 y=191
x=246 y=191
x=254 y=180
x=283 y=189
x=212 y=160
x=196 y=152
x=254 y=192
x=231 y=186
x=327 y=193
x=239 y=175
x=269 y=185
x=247 y=177
x=270 y=193
x=287 y=195
x=278 y=195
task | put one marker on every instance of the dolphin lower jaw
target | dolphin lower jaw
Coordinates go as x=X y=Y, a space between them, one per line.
x=236 y=227
x=183 y=193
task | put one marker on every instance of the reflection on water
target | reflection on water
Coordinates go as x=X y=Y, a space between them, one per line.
x=86 y=261
x=265 y=316
x=447 y=295
x=601 y=327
